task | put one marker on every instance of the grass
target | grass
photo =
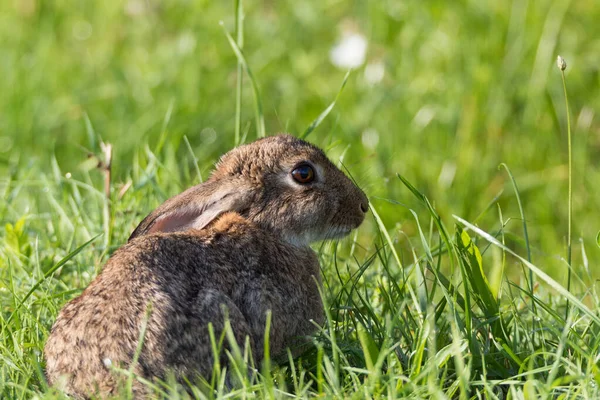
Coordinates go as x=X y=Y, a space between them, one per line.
x=455 y=287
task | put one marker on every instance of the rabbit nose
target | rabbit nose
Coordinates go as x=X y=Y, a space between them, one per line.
x=364 y=206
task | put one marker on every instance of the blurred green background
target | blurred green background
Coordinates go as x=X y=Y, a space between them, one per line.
x=447 y=91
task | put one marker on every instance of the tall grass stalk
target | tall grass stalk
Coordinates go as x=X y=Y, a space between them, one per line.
x=239 y=38
x=562 y=65
x=258 y=109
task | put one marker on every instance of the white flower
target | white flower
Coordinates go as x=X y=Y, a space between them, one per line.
x=350 y=52
x=561 y=63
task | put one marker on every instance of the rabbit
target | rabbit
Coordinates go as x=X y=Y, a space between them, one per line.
x=235 y=247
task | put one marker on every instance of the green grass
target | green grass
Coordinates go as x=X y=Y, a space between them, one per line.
x=455 y=286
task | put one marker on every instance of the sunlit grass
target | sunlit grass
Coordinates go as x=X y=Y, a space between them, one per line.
x=456 y=285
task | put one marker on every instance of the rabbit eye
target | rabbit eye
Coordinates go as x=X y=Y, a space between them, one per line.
x=303 y=174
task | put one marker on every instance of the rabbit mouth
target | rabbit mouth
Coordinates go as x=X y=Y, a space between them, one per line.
x=317 y=236
x=340 y=226
x=338 y=232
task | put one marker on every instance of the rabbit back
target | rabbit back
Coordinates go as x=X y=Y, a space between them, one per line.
x=178 y=283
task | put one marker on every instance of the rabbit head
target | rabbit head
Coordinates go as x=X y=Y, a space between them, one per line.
x=283 y=184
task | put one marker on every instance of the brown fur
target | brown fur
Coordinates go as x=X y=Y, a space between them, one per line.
x=236 y=244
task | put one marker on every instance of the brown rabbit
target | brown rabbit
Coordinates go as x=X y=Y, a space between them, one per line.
x=237 y=244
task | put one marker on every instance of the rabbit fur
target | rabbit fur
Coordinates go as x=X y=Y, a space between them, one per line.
x=232 y=247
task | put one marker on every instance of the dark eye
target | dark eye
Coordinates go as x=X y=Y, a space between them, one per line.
x=303 y=174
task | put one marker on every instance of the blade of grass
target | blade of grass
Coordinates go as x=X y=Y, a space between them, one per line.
x=91 y=134
x=387 y=238
x=191 y=151
x=239 y=36
x=258 y=110
x=266 y=367
x=538 y=272
x=325 y=112
x=138 y=350
x=525 y=233
x=47 y=274
x=163 y=129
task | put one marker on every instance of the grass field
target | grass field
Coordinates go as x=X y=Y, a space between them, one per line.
x=456 y=286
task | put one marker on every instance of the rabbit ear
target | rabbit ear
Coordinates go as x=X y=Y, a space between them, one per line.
x=195 y=208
